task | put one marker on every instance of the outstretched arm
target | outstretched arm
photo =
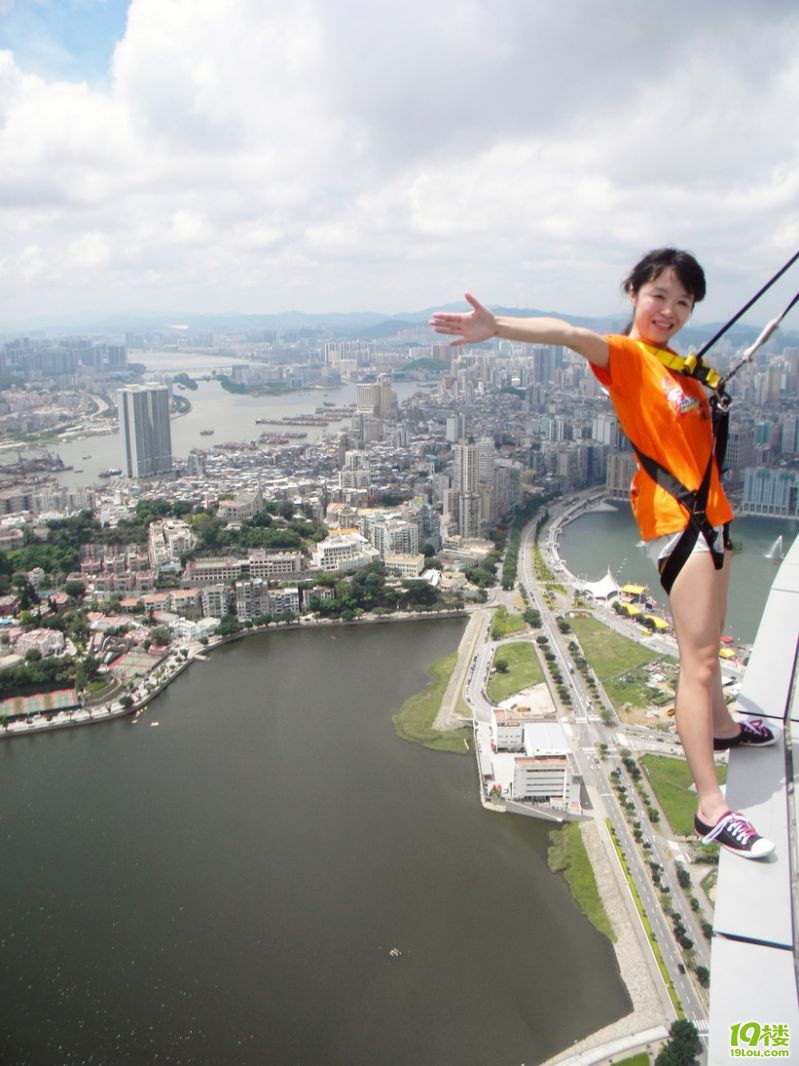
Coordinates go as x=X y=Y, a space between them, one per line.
x=480 y=324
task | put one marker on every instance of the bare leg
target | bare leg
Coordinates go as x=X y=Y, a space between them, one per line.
x=697 y=598
x=724 y=725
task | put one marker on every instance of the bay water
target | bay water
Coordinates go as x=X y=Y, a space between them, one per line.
x=604 y=539
x=271 y=876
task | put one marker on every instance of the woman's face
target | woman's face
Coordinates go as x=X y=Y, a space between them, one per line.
x=661 y=307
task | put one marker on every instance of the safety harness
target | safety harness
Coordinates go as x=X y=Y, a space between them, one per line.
x=694 y=501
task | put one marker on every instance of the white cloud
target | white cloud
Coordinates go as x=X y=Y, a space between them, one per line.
x=270 y=153
x=90 y=250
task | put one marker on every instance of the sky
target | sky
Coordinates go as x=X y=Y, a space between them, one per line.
x=166 y=156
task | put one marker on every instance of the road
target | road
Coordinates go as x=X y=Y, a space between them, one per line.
x=588 y=733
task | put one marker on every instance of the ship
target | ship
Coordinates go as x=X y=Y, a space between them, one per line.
x=207 y=432
x=110 y=472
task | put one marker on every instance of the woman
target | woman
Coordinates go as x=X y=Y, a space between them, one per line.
x=666 y=416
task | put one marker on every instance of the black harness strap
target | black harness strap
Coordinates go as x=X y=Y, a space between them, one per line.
x=694 y=502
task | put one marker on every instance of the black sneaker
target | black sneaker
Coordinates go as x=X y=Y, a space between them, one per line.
x=754 y=734
x=736 y=834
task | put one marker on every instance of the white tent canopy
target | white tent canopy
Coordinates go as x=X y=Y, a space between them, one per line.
x=603 y=589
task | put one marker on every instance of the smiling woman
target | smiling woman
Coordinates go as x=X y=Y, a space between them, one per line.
x=679 y=503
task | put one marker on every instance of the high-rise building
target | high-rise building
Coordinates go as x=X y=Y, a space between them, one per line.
x=466 y=504
x=771 y=491
x=456 y=427
x=466 y=467
x=387 y=407
x=144 y=430
x=485 y=459
x=789 y=443
x=470 y=515
x=367 y=398
x=621 y=468
x=740 y=452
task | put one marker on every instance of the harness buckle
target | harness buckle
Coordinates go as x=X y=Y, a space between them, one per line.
x=702 y=523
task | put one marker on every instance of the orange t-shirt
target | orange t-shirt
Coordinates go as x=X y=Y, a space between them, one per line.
x=667 y=416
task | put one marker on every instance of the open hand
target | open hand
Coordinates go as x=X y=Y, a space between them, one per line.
x=469 y=327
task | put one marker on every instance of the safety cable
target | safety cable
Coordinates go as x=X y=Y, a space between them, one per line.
x=767 y=331
x=745 y=308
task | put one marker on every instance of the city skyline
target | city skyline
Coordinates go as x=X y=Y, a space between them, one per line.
x=265 y=157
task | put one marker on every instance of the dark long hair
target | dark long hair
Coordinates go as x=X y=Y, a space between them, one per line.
x=684 y=265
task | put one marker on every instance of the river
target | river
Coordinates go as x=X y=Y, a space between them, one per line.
x=228 y=888
x=609 y=538
x=230 y=415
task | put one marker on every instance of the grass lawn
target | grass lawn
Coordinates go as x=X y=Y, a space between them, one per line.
x=505 y=625
x=708 y=883
x=630 y=688
x=608 y=652
x=641 y=1059
x=524 y=671
x=415 y=718
x=671 y=782
x=567 y=855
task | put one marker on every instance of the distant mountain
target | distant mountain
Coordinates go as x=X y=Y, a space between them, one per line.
x=363 y=325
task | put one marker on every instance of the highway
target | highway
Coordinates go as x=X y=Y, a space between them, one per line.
x=588 y=732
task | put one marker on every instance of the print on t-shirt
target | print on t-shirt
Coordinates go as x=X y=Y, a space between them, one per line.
x=680 y=402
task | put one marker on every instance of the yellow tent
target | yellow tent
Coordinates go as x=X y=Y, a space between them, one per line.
x=631 y=609
x=634 y=590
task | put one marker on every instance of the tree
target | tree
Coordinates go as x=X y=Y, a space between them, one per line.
x=228 y=626
x=420 y=592
x=85 y=669
x=683 y=1047
x=75 y=589
x=27 y=594
x=501 y=666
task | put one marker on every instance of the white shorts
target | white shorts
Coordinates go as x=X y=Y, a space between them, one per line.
x=661 y=547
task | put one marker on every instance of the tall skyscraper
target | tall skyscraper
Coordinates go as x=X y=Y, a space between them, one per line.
x=367 y=398
x=456 y=427
x=485 y=459
x=145 y=432
x=467 y=504
x=466 y=467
